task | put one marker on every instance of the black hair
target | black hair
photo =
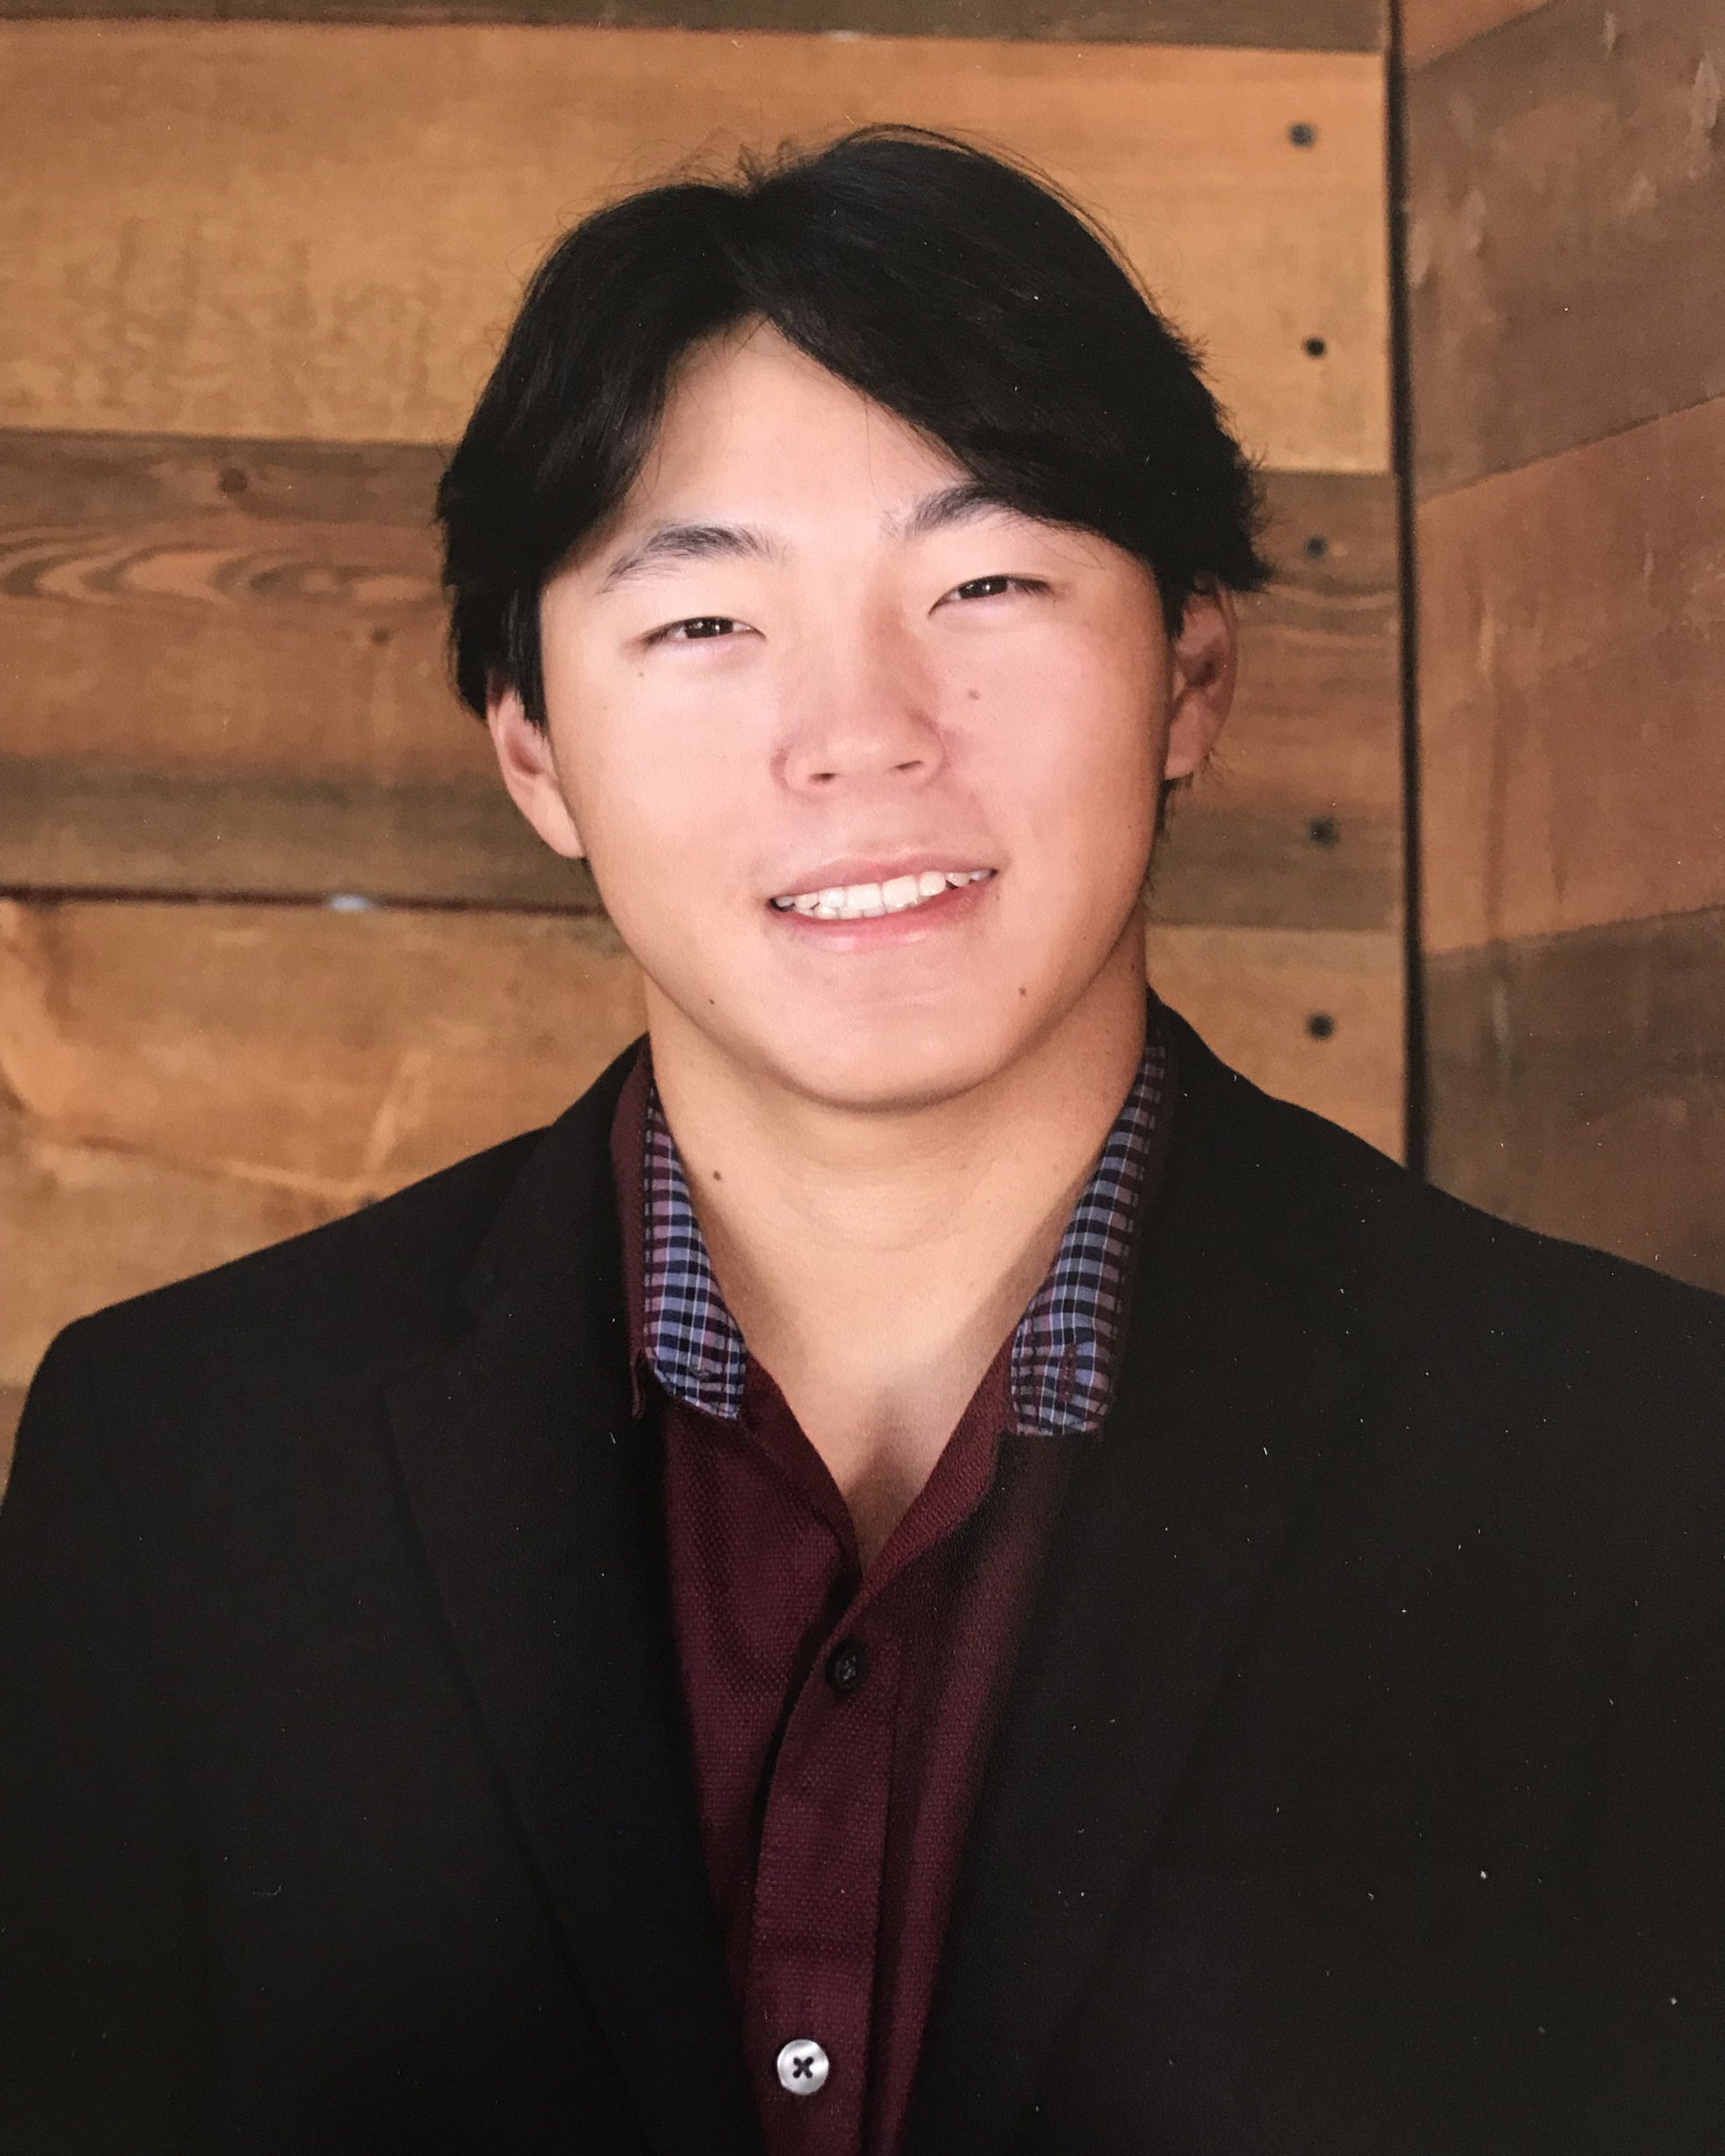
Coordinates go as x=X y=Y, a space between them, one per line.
x=960 y=292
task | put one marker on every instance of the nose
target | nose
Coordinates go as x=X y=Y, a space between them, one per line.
x=863 y=712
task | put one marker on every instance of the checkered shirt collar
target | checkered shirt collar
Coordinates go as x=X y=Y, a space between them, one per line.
x=1064 y=1348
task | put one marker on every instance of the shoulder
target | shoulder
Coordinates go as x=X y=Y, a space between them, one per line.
x=1510 y=1335
x=373 y=1286
x=376 y=1290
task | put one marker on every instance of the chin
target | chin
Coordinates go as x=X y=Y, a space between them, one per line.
x=889 y=1062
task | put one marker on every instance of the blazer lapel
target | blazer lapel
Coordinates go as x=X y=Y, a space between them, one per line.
x=537 y=1499
x=1229 y=1401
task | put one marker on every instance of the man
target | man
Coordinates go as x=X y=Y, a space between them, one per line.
x=927 y=1570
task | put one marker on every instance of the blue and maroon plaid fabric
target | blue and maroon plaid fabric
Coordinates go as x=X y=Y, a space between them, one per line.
x=1063 y=1347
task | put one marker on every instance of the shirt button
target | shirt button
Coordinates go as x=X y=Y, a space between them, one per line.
x=846 y=1667
x=803 y=2066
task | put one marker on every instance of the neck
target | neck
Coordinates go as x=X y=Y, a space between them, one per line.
x=876 y=1260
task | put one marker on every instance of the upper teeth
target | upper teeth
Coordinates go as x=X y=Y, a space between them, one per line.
x=866 y=901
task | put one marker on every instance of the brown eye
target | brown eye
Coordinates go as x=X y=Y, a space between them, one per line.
x=985 y=587
x=701 y=627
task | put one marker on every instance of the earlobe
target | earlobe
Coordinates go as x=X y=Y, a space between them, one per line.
x=1204 y=667
x=529 y=763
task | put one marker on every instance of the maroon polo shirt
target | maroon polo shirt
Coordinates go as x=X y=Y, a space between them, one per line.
x=840 y=1718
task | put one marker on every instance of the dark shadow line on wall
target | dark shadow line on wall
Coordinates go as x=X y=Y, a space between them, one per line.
x=1416 y=1100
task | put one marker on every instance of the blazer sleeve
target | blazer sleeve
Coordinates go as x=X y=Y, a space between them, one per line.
x=100 y=1983
x=1656 y=2045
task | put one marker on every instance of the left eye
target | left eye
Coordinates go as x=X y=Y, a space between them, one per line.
x=986 y=587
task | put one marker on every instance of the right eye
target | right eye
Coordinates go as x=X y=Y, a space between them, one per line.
x=699 y=628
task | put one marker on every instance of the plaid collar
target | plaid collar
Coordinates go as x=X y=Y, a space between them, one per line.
x=1063 y=1347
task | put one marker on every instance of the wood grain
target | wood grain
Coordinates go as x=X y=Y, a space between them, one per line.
x=1313 y=1018
x=319 y=232
x=1578 y=1085
x=1568 y=194
x=1317 y=25
x=332 y=1054
x=1573 y=630
x=1432 y=27
x=226 y=677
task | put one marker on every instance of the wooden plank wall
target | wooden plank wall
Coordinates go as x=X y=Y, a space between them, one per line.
x=272 y=942
x=1568 y=196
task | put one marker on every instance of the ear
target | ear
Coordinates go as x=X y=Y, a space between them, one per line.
x=529 y=768
x=1203 y=666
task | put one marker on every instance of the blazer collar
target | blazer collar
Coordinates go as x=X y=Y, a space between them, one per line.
x=1233 y=1394
x=537 y=1497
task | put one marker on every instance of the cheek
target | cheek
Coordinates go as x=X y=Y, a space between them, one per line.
x=654 y=777
x=1076 y=737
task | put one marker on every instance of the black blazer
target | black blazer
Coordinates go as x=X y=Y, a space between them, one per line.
x=1361 y=1787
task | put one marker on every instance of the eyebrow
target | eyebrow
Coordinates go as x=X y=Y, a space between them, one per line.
x=688 y=543
x=960 y=504
x=669 y=543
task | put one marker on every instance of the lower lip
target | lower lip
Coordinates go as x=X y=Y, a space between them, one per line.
x=883 y=931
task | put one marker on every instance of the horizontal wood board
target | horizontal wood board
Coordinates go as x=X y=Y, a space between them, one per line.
x=1567 y=201
x=296 y=231
x=225 y=675
x=1577 y=1086
x=1431 y=27
x=1317 y=25
x=1313 y=1017
x=180 y=1083
x=1573 y=628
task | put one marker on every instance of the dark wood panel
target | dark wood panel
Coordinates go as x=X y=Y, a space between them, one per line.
x=1572 y=633
x=69 y=481
x=1319 y=25
x=1578 y=1085
x=228 y=679
x=1430 y=27
x=1567 y=196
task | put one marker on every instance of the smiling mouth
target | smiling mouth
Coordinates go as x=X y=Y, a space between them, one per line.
x=869 y=901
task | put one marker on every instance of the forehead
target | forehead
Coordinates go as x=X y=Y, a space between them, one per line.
x=749 y=414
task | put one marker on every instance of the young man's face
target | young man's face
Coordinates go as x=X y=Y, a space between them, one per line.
x=867 y=770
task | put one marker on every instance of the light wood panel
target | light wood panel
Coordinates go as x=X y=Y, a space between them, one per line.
x=1574 y=633
x=1312 y=1017
x=1568 y=194
x=319 y=232
x=184 y=1083
x=229 y=680
x=1319 y=25
x=1578 y=1086
x=332 y=1054
x=1431 y=27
